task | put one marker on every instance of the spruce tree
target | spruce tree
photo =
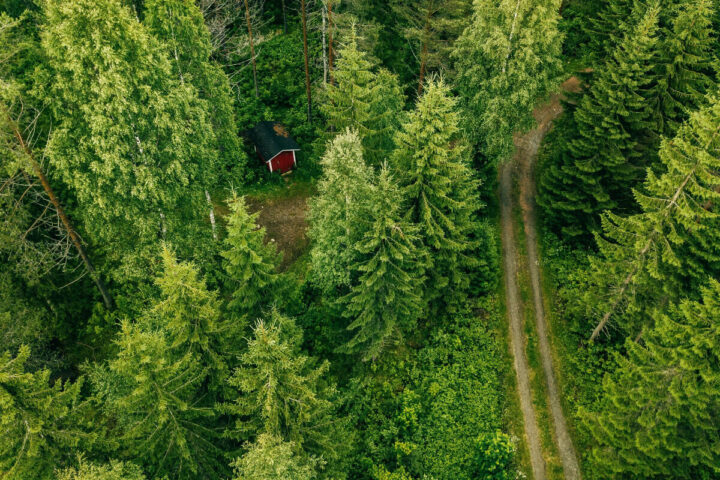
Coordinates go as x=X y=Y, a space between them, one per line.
x=270 y=458
x=179 y=24
x=386 y=301
x=670 y=249
x=110 y=471
x=40 y=419
x=365 y=101
x=338 y=214
x=152 y=405
x=285 y=395
x=437 y=183
x=605 y=158
x=657 y=417
x=130 y=141
x=250 y=264
x=507 y=59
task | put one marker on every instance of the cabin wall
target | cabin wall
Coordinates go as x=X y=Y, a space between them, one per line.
x=283 y=162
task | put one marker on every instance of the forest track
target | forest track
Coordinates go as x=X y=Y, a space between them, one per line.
x=527 y=147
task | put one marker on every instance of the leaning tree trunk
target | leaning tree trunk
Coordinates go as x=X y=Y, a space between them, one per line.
x=424 y=54
x=307 y=62
x=324 y=45
x=252 y=47
x=330 y=41
x=107 y=298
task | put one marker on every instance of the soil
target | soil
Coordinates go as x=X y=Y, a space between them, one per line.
x=285 y=223
x=524 y=161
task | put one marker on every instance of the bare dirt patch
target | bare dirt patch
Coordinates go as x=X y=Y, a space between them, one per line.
x=285 y=223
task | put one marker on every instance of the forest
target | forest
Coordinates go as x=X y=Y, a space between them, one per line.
x=359 y=239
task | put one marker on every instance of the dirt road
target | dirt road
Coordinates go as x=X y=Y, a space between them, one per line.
x=524 y=160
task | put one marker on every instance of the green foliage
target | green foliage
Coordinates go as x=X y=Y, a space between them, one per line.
x=657 y=413
x=364 y=101
x=507 y=59
x=386 y=301
x=432 y=168
x=495 y=455
x=111 y=471
x=270 y=458
x=285 y=395
x=338 y=214
x=130 y=141
x=39 y=419
x=250 y=264
x=180 y=25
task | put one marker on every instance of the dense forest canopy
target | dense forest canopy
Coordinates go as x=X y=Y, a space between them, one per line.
x=172 y=308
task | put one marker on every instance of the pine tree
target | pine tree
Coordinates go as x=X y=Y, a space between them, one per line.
x=507 y=59
x=387 y=299
x=130 y=142
x=249 y=263
x=111 y=471
x=432 y=27
x=432 y=169
x=365 y=101
x=605 y=30
x=606 y=159
x=190 y=314
x=283 y=394
x=180 y=25
x=338 y=214
x=269 y=458
x=40 y=419
x=658 y=412
x=673 y=246
x=151 y=400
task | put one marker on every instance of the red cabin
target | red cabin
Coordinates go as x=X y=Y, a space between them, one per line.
x=275 y=146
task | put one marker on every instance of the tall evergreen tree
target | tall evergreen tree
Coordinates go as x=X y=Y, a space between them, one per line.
x=283 y=394
x=338 y=214
x=180 y=25
x=365 y=101
x=39 y=418
x=130 y=141
x=249 y=263
x=269 y=458
x=112 y=471
x=657 y=417
x=670 y=249
x=507 y=59
x=387 y=300
x=605 y=159
x=434 y=174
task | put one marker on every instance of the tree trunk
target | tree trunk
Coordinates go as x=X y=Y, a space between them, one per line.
x=107 y=298
x=307 y=62
x=424 y=54
x=324 y=45
x=284 y=17
x=212 y=215
x=330 y=42
x=252 y=46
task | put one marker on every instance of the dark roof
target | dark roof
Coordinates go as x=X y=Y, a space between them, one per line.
x=272 y=138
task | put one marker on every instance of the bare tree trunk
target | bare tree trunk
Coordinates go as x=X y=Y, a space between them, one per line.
x=252 y=46
x=330 y=42
x=212 y=214
x=284 y=17
x=307 y=62
x=424 y=54
x=107 y=298
x=323 y=12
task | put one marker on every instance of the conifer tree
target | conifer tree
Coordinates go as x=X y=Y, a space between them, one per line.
x=39 y=419
x=365 y=101
x=507 y=59
x=269 y=458
x=432 y=169
x=130 y=141
x=150 y=397
x=658 y=412
x=670 y=249
x=250 y=264
x=605 y=30
x=338 y=214
x=605 y=159
x=180 y=25
x=284 y=395
x=190 y=314
x=387 y=299
x=111 y=471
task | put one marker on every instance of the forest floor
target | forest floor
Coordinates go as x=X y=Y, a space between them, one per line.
x=523 y=164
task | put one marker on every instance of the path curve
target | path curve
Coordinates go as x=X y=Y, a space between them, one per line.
x=527 y=147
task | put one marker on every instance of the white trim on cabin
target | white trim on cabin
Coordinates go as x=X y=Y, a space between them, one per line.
x=283 y=151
